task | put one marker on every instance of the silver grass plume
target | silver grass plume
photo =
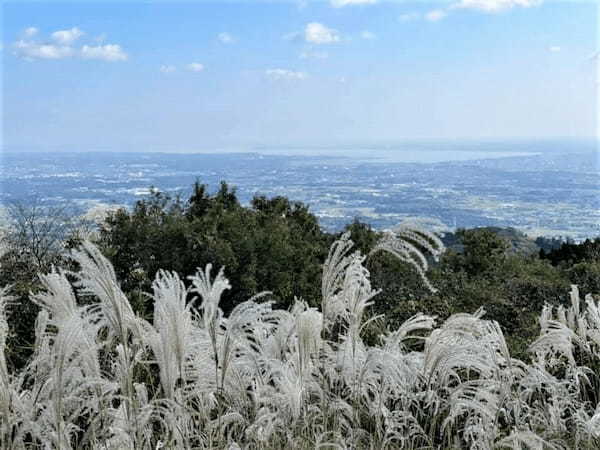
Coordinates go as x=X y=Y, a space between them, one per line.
x=74 y=382
x=571 y=327
x=172 y=336
x=96 y=277
x=334 y=275
x=405 y=243
x=272 y=379
x=520 y=439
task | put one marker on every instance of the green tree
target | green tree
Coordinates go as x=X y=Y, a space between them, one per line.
x=273 y=244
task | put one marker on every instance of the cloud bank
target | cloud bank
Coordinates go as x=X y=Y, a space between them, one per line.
x=60 y=46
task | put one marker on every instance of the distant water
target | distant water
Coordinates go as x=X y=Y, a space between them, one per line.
x=417 y=151
x=429 y=152
x=397 y=155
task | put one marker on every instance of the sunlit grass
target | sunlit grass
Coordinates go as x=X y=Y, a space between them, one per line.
x=102 y=377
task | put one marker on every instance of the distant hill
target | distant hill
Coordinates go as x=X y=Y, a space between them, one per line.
x=519 y=242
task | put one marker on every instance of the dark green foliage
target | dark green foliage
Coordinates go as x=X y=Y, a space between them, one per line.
x=546 y=244
x=17 y=272
x=586 y=275
x=274 y=244
x=482 y=250
x=277 y=245
x=571 y=253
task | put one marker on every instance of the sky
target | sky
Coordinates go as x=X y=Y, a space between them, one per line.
x=200 y=75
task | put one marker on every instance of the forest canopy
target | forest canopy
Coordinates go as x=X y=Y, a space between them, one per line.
x=276 y=245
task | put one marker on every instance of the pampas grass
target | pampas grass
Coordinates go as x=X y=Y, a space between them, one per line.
x=192 y=378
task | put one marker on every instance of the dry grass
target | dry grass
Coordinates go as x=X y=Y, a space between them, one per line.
x=103 y=378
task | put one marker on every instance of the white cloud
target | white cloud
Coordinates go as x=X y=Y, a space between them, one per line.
x=341 y=3
x=195 y=67
x=554 y=49
x=226 y=38
x=108 y=52
x=492 y=6
x=317 y=33
x=435 y=15
x=409 y=17
x=67 y=37
x=167 y=68
x=368 y=35
x=309 y=54
x=62 y=47
x=32 y=50
x=30 y=31
x=284 y=74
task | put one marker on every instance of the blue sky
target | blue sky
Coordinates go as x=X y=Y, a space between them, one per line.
x=187 y=76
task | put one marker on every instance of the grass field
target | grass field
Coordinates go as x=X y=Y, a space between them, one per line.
x=103 y=378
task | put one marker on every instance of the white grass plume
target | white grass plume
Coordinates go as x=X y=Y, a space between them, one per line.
x=407 y=243
x=100 y=377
